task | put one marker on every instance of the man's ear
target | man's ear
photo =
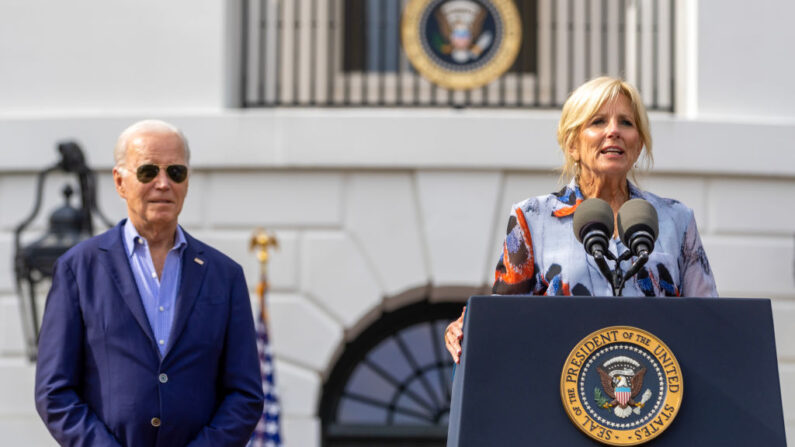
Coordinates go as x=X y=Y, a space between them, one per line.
x=118 y=180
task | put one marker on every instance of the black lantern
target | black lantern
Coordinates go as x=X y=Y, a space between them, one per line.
x=67 y=226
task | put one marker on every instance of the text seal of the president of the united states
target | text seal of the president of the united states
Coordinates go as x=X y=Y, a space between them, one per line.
x=621 y=385
x=461 y=44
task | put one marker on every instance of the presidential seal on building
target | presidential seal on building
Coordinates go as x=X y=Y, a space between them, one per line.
x=621 y=386
x=461 y=44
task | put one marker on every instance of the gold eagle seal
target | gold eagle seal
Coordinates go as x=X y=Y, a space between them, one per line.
x=461 y=44
x=621 y=386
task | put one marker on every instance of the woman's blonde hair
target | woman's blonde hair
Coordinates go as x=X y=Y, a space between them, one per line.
x=584 y=102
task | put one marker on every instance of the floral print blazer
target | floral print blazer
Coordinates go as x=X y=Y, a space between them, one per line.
x=541 y=255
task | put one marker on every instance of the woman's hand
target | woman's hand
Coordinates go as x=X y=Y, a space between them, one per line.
x=453 y=336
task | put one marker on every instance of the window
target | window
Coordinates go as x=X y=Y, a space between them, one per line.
x=392 y=384
x=349 y=53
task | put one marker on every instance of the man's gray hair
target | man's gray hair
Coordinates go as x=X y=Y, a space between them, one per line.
x=146 y=126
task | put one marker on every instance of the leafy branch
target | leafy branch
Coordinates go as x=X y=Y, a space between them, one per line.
x=600 y=398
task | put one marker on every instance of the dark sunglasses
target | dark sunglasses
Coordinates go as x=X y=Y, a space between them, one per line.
x=146 y=173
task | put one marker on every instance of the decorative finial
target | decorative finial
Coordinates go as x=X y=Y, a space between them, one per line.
x=261 y=241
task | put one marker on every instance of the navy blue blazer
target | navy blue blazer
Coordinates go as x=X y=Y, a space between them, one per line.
x=100 y=379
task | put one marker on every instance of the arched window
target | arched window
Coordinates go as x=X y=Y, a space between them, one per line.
x=392 y=384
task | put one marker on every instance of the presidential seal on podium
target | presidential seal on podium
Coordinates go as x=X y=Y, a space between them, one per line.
x=461 y=44
x=621 y=386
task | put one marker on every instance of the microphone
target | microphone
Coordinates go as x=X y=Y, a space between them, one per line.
x=638 y=226
x=593 y=226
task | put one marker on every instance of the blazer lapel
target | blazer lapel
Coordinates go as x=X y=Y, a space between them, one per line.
x=119 y=268
x=194 y=267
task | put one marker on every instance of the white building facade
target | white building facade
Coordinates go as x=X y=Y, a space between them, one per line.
x=378 y=207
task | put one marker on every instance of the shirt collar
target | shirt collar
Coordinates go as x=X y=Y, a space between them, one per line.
x=634 y=191
x=570 y=197
x=131 y=236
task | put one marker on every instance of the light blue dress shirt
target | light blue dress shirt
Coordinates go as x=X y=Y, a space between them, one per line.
x=158 y=296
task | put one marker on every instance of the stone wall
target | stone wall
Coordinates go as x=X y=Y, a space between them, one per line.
x=352 y=240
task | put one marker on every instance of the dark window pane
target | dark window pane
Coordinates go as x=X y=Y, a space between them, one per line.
x=418 y=339
x=355 y=37
x=388 y=356
x=406 y=402
x=355 y=412
x=366 y=382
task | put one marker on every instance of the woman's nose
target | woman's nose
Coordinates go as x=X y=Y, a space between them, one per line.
x=612 y=127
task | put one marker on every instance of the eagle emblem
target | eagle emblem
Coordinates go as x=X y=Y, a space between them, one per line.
x=621 y=385
x=622 y=380
x=461 y=44
x=461 y=28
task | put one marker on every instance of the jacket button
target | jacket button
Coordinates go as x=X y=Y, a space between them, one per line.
x=155 y=422
x=163 y=378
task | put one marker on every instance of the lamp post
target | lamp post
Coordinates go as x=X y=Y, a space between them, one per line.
x=67 y=226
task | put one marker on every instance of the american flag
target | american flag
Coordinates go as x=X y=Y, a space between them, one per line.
x=268 y=432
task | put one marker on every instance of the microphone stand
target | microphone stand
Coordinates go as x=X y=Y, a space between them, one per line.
x=617 y=277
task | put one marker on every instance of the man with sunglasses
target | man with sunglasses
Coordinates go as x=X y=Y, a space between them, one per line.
x=148 y=337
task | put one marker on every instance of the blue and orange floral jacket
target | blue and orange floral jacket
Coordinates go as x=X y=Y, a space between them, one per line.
x=541 y=255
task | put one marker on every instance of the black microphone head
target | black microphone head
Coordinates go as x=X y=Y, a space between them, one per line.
x=593 y=226
x=593 y=214
x=638 y=225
